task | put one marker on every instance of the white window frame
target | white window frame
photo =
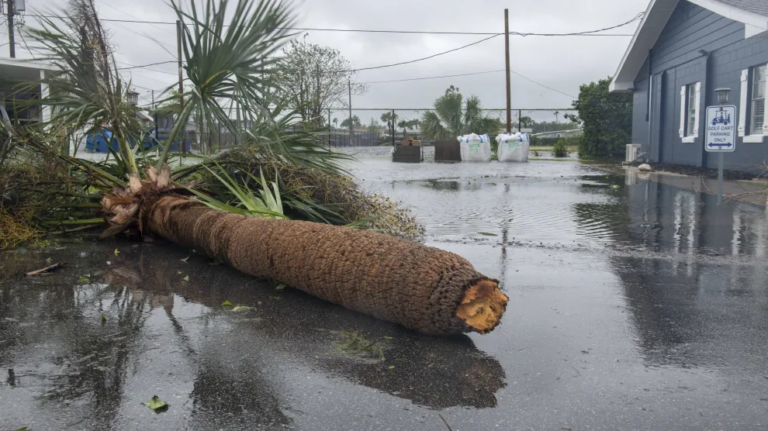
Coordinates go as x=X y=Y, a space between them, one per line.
x=689 y=139
x=746 y=98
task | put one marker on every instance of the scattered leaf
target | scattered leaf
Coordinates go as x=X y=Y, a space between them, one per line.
x=388 y=337
x=487 y=234
x=280 y=287
x=117 y=252
x=156 y=404
x=226 y=304
x=615 y=186
x=103 y=319
x=185 y=259
x=48 y=260
x=241 y=308
x=391 y=367
x=276 y=298
x=186 y=278
x=82 y=279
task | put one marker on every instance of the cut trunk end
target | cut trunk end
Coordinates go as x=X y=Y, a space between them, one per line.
x=482 y=306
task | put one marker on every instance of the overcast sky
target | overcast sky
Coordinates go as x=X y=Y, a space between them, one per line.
x=562 y=63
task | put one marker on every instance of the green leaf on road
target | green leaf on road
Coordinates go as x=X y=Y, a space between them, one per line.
x=241 y=308
x=156 y=404
x=226 y=304
x=487 y=234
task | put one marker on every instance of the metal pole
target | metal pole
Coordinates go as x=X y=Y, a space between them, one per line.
x=509 y=81
x=519 y=120
x=351 y=126
x=153 y=100
x=179 y=41
x=392 y=127
x=11 y=35
x=330 y=130
x=720 y=180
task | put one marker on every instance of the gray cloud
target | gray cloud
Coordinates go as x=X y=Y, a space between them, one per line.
x=562 y=63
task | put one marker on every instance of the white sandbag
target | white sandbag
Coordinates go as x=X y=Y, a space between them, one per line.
x=475 y=148
x=513 y=147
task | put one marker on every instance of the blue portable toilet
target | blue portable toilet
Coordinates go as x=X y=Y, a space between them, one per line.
x=97 y=142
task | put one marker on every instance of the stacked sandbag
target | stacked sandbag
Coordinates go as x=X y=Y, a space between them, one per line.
x=513 y=147
x=475 y=148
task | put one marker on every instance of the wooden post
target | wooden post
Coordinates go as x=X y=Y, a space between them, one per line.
x=11 y=35
x=351 y=125
x=509 y=82
x=179 y=41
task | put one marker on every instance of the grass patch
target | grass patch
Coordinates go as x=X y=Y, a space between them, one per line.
x=354 y=342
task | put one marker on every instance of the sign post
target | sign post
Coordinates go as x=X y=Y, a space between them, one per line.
x=721 y=138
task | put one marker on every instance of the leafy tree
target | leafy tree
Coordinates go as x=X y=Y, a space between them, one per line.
x=335 y=122
x=355 y=122
x=453 y=117
x=389 y=118
x=526 y=122
x=606 y=119
x=374 y=126
x=315 y=78
x=408 y=124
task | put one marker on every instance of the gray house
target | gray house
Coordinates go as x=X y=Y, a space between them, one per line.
x=682 y=51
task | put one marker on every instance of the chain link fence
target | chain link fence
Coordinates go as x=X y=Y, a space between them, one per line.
x=382 y=127
x=389 y=127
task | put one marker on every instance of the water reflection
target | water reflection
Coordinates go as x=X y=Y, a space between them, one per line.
x=693 y=272
x=433 y=372
x=163 y=327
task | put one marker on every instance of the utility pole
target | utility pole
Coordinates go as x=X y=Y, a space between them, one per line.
x=509 y=82
x=179 y=41
x=153 y=100
x=351 y=126
x=11 y=35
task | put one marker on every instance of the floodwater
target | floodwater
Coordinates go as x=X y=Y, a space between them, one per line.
x=633 y=305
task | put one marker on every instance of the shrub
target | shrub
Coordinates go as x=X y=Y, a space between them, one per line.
x=560 y=149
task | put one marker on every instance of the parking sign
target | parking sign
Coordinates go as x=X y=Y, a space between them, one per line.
x=721 y=130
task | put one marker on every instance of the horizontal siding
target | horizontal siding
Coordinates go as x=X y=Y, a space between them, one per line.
x=690 y=29
x=725 y=72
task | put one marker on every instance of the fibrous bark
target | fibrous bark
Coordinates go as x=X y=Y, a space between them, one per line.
x=419 y=287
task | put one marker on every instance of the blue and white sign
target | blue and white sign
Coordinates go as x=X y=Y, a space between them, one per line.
x=721 y=130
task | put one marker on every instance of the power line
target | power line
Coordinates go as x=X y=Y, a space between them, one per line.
x=345 y=30
x=469 y=74
x=424 y=58
x=548 y=88
x=434 y=77
x=147 y=65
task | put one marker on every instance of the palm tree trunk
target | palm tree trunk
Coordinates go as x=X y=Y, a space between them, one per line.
x=419 y=287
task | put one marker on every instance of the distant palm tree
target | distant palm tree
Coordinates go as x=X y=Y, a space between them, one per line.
x=453 y=117
x=335 y=122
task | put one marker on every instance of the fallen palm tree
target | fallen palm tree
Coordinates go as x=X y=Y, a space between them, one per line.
x=419 y=287
x=230 y=61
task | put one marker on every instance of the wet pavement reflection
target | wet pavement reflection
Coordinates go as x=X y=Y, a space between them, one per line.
x=633 y=305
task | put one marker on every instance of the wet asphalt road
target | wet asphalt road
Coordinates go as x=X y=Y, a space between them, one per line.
x=633 y=305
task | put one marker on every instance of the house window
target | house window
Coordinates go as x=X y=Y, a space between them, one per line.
x=757 y=106
x=753 y=118
x=690 y=99
x=692 y=105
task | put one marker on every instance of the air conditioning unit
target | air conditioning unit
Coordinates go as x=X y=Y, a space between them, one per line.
x=633 y=150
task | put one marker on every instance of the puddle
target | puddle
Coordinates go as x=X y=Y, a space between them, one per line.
x=632 y=305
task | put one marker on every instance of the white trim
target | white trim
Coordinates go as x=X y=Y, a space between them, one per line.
x=743 y=103
x=681 y=132
x=28 y=64
x=754 y=139
x=698 y=111
x=689 y=139
x=754 y=23
x=765 y=111
x=655 y=19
